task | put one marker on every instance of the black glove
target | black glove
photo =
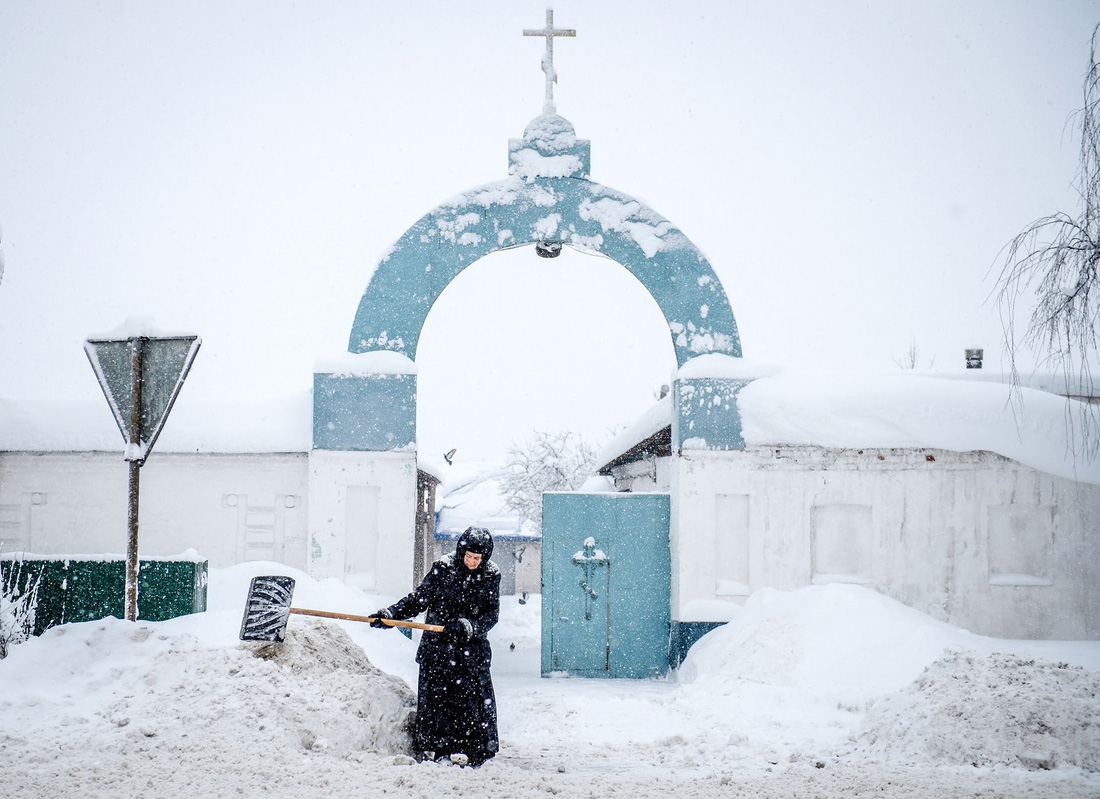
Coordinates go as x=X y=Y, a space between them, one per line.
x=459 y=629
x=378 y=616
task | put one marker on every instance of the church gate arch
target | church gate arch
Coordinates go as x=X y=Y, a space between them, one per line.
x=364 y=419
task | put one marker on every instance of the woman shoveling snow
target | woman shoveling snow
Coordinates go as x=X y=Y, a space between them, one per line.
x=456 y=714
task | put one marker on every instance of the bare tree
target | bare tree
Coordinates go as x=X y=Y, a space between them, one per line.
x=910 y=359
x=547 y=462
x=18 y=601
x=1054 y=264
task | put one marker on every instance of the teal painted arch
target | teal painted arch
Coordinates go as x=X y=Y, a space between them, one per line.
x=517 y=212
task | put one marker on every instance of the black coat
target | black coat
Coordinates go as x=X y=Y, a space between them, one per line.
x=456 y=705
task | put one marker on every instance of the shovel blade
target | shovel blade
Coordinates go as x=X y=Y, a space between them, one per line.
x=268 y=608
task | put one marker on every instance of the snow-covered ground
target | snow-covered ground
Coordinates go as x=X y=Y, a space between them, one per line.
x=824 y=691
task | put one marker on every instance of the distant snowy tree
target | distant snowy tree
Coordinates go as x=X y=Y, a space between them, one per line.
x=1054 y=264
x=547 y=462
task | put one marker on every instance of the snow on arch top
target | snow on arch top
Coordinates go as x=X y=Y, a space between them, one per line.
x=549 y=149
x=547 y=197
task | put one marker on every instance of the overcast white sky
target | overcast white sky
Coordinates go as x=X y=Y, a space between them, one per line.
x=236 y=169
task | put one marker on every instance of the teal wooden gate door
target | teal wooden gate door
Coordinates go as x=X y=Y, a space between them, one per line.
x=606 y=584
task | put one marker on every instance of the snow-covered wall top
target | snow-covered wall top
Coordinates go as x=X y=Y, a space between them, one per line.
x=845 y=410
x=276 y=425
x=350 y=364
x=546 y=198
x=899 y=410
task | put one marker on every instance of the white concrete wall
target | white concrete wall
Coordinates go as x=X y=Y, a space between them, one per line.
x=230 y=508
x=970 y=538
x=348 y=515
x=362 y=515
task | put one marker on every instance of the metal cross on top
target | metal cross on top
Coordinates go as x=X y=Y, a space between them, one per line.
x=549 y=32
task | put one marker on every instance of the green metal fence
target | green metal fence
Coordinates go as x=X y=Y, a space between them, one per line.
x=84 y=588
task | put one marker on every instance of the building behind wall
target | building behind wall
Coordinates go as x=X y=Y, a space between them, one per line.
x=971 y=537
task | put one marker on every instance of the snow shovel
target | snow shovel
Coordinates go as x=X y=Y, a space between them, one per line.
x=268 y=609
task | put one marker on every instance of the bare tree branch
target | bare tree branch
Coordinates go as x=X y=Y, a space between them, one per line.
x=1051 y=270
x=547 y=462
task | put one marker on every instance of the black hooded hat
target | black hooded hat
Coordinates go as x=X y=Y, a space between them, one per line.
x=477 y=540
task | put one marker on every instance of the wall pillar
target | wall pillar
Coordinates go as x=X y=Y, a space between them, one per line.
x=705 y=418
x=362 y=479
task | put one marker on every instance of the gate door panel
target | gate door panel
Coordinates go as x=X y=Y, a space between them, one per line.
x=606 y=584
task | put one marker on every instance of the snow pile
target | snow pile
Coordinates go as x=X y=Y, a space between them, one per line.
x=109 y=689
x=928 y=692
x=997 y=709
x=349 y=704
x=812 y=692
x=845 y=639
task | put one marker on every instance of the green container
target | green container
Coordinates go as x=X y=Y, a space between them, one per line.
x=85 y=588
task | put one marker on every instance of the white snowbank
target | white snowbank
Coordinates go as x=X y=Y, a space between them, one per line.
x=833 y=637
x=828 y=690
x=989 y=710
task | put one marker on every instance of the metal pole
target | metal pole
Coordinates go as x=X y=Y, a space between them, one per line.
x=132 y=545
x=134 y=456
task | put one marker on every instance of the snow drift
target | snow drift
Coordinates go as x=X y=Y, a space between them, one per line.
x=927 y=692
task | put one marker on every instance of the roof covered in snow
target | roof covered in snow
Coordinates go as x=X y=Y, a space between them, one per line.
x=958 y=411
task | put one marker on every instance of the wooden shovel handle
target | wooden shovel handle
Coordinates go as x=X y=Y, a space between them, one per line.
x=418 y=625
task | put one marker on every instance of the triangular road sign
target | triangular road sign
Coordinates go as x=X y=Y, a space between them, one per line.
x=163 y=363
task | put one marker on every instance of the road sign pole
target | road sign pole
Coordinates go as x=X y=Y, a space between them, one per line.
x=137 y=353
x=148 y=371
x=132 y=545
